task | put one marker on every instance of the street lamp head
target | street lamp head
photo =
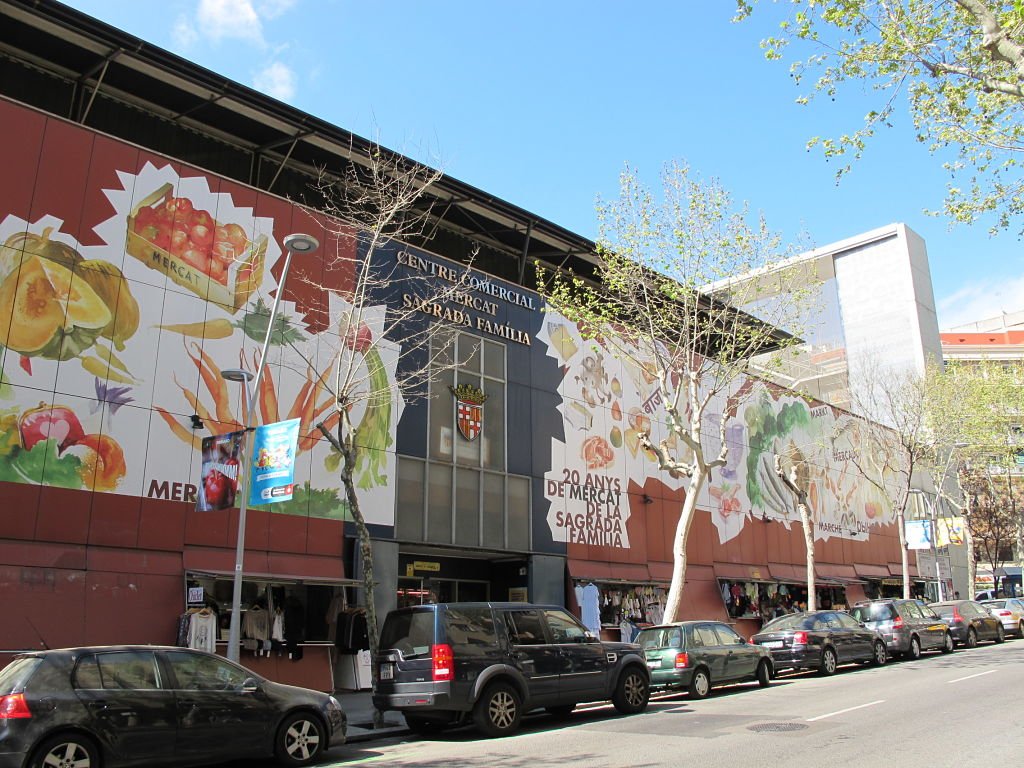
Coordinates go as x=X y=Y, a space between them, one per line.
x=300 y=243
x=236 y=374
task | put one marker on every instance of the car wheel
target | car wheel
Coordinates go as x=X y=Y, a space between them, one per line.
x=66 y=749
x=300 y=739
x=829 y=662
x=1000 y=634
x=499 y=711
x=764 y=673
x=972 y=638
x=561 y=711
x=700 y=684
x=632 y=692
x=914 y=653
x=947 y=643
x=424 y=725
x=1020 y=629
x=879 y=657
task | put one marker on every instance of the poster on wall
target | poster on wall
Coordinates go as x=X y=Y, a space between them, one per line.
x=218 y=485
x=273 y=462
x=919 y=534
x=949 y=530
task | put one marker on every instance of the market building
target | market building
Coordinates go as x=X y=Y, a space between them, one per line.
x=518 y=477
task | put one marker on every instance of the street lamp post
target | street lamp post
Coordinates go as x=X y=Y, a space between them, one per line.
x=933 y=520
x=295 y=243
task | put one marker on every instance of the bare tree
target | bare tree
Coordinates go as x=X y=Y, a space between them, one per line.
x=894 y=440
x=672 y=273
x=388 y=339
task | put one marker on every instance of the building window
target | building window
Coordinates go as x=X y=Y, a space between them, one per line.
x=462 y=494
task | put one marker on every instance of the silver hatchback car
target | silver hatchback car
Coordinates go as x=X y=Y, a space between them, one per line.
x=908 y=626
x=1010 y=611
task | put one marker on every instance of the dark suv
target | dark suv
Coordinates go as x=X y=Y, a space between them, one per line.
x=908 y=626
x=442 y=664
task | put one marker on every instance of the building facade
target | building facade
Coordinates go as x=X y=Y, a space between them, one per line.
x=516 y=474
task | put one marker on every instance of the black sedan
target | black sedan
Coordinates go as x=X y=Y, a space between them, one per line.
x=969 y=621
x=820 y=640
x=145 y=705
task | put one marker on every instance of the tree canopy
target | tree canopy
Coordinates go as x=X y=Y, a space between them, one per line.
x=959 y=65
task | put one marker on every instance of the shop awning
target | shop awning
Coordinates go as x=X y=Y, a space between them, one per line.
x=895 y=569
x=872 y=571
x=740 y=572
x=793 y=574
x=628 y=573
x=836 y=574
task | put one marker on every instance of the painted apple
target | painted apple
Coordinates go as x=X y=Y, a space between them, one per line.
x=58 y=423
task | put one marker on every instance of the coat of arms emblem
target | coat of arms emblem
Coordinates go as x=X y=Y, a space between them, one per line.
x=469 y=411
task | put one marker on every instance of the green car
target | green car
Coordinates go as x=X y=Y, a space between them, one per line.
x=697 y=655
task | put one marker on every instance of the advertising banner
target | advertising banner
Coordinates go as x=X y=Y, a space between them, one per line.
x=919 y=534
x=950 y=530
x=273 y=462
x=218 y=484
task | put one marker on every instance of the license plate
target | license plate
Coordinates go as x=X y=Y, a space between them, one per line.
x=774 y=644
x=653 y=664
x=387 y=671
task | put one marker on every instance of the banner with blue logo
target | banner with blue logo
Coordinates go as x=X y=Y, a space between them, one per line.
x=273 y=462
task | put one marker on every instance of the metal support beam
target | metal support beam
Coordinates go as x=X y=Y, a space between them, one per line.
x=525 y=252
x=284 y=160
x=100 y=67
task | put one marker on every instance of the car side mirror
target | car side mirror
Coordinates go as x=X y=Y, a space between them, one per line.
x=249 y=685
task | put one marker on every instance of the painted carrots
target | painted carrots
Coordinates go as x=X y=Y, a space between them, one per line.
x=209 y=329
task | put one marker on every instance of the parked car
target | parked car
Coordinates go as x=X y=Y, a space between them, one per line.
x=447 y=663
x=143 y=705
x=970 y=621
x=1010 y=611
x=821 y=640
x=907 y=626
x=697 y=655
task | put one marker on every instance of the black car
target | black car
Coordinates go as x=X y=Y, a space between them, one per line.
x=970 y=621
x=142 y=705
x=443 y=664
x=820 y=640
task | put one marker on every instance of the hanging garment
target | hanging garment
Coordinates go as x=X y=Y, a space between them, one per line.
x=590 y=608
x=202 y=631
x=184 y=620
x=277 y=626
x=256 y=624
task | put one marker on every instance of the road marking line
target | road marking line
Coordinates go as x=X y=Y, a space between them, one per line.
x=843 y=711
x=989 y=672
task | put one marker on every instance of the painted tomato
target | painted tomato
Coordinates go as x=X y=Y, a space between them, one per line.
x=196 y=259
x=201 y=236
x=235 y=235
x=201 y=218
x=216 y=489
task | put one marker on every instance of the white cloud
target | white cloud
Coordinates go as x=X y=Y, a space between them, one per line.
x=981 y=301
x=184 y=33
x=229 y=19
x=275 y=80
x=271 y=9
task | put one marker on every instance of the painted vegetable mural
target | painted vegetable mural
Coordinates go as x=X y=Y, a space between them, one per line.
x=116 y=334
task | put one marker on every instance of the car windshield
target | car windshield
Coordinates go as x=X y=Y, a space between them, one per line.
x=659 y=637
x=14 y=676
x=792 y=621
x=995 y=603
x=872 y=612
x=411 y=632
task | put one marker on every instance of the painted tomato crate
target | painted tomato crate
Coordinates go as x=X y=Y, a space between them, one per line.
x=228 y=281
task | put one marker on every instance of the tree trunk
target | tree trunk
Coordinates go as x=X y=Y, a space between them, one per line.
x=674 y=601
x=366 y=553
x=808 y=526
x=901 y=520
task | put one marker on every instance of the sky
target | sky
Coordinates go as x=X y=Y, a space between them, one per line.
x=544 y=104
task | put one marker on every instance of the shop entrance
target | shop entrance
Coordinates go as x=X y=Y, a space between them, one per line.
x=426 y=577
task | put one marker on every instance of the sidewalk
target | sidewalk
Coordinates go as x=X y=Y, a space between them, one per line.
x=358 y=707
